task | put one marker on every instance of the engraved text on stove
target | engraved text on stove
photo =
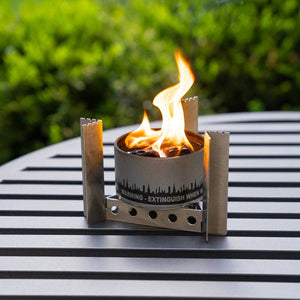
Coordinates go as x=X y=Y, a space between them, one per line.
x=159 y=196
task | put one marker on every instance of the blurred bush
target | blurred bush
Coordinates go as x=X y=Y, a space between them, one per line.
x=60 y=60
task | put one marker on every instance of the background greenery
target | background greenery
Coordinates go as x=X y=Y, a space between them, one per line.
x=60 y=60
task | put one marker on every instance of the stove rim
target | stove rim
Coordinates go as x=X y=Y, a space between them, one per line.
x=188 y=133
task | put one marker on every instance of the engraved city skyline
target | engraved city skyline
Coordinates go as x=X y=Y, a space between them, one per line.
x=185 y=193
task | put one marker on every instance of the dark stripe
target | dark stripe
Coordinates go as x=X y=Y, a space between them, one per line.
x=147 y=276
x=41 y=197
x=95 y=231
x=36 y=213
x=264 y=184
x=59 y=182
x=247 y=233
x=164 y=253
x=142 y=232
x=264 y=156
x=52 y=169
x=78 y=156
x=248 y=215
x=264 y=170
x=62 y=213
x=60 y=169
x=56 y=182
x=263 y=199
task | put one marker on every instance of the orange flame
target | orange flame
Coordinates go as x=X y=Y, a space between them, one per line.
x=168 y=101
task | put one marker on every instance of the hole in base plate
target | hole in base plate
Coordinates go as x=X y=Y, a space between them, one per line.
x=114 y=210
x=191 y=220
x=132 y=212
x=172 y=218
x=153 y=214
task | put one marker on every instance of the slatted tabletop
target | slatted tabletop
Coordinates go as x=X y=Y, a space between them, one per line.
x=48 y=251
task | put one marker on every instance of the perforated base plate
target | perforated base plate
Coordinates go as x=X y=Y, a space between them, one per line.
x=188 y=219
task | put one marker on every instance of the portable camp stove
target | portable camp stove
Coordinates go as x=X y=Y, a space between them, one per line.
x=185 y=192
x=170 y=177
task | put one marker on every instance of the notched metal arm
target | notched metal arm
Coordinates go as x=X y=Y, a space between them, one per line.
x=92 y=171
x=216 y=155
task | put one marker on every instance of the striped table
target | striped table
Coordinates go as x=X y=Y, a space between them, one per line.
x=48 y=251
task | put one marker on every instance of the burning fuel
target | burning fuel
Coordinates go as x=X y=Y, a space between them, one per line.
x=171 y=139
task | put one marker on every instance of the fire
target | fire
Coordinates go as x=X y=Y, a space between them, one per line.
x=168 y=101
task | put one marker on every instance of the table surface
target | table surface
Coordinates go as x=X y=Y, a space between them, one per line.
x=47 y=250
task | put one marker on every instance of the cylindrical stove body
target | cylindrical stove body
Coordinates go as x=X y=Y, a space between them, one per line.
x=156 y=182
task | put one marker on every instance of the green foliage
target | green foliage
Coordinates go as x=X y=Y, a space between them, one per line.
x=60 y=60
x=252 y=56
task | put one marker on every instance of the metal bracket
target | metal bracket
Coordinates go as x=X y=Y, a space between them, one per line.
x=186 y=218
